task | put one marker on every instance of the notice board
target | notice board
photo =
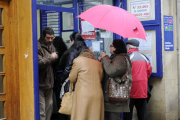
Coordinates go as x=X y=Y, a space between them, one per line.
x=168 y=33
x=50 y=19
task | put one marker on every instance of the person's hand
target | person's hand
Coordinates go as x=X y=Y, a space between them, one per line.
x=103 y=54
x=99 y=58
x=54 y=55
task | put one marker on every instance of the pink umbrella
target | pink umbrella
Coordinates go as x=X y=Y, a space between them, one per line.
x=116 y=20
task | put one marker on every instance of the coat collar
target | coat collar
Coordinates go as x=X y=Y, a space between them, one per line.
x=88 y=53
x=48 y=48
x=133 y=50
x=114 y=55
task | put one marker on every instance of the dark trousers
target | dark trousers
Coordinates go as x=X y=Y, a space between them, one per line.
x=141 y=107
x=112 y=116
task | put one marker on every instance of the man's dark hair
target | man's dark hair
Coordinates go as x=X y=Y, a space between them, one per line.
x=47 y=30
x=120 y=46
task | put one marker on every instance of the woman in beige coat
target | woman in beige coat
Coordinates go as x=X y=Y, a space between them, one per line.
x=88 y=101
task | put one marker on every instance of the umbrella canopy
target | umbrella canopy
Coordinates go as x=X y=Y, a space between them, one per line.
x=116 y=20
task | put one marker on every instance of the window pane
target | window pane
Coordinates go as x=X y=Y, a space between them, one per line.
x=0 y=24
x=68 y=21
x=1 y=110
x=56 y=2
x=92 y=2
x=50 y=19
x=1 y=84
x=1 y=40
x=0 y=16
x=65 y=36
x=1 y=63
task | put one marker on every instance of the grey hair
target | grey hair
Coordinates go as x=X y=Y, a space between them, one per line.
x=133 y=47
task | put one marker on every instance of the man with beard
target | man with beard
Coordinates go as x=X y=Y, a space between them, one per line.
x=46 y=56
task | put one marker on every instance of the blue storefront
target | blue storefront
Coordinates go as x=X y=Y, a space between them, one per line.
x=61 y=15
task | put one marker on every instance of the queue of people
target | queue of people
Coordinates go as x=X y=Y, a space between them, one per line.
x=104 y=87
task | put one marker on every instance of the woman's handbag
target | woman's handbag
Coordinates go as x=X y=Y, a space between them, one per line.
x=119 y=88
x=65 y=88
x=67 y=100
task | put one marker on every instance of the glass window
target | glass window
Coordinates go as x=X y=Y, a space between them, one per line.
x=69 y=5
x=143 y=9
x=68 y=21
x=56 y=2
x=65 y=36
x=0 y=16
x=1 y=110
x=1 y=43
x=92 y=2
x=97 y=2
x=1 y=63
x=1 y=84
x=38 y=24
x=50 y=19
x=85 y=5
x=1 y=40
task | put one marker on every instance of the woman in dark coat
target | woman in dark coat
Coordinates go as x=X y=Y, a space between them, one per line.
x=77 y=46
x=115 y=66
x=60 y=48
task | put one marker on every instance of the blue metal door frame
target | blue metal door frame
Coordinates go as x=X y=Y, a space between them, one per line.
x=36 y=6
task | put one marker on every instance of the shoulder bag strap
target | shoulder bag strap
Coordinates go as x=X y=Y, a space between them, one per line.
x=126 y=74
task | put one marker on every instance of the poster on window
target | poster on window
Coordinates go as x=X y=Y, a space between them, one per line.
x=68 y=23
x=50 y=19
x=141 y=9
x=87 y=30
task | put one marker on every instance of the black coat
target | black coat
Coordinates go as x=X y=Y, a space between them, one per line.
x=67 y=60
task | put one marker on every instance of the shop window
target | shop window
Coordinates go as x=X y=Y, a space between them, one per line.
x=65 y=36
x=0 y=16
x=1 y=63
x=68 y=21
x=1 y=110
x=1 y=41
x=56 y=2
x=143 y=9
x=0 y=28
x=105 y=42
x=1 y=84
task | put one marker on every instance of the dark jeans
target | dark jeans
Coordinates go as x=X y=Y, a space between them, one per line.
x=112 y=116
x=141 y=107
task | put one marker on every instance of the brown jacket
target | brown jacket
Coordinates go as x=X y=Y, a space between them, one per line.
x=115 y=66
x=46 y=79
x=88 y=103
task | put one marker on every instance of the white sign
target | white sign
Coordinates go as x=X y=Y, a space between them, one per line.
x=86 y=26
x=96 y=46
x=68 y=22
x=145 y=45
x=141 y=9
